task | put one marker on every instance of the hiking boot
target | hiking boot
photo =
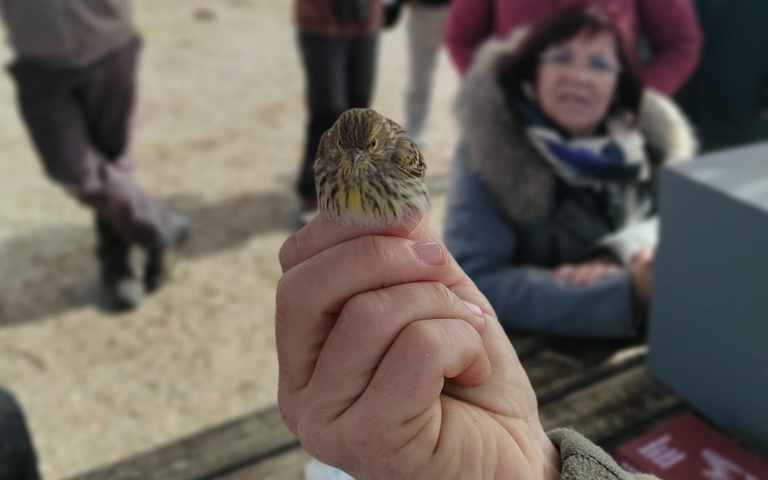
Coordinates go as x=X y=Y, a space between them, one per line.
x=158 y=263
x=123 y=291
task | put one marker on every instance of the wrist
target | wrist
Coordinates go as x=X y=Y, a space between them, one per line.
x=550 y=458
x=552 y=465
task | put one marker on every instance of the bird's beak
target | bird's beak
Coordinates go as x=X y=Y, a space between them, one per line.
x=353 y=154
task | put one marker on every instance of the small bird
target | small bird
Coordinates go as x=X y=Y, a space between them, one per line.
x=368 y=171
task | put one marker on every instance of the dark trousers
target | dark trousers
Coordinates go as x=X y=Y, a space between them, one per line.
x=18 y=460
x=339 y=75
x=79 y=120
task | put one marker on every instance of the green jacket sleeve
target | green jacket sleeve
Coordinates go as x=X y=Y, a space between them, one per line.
x=582 y=459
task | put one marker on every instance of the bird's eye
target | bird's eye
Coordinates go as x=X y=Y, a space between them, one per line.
x=374 y=144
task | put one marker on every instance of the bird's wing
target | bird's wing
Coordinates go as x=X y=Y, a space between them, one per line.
x=322 y=147
x=407 y=155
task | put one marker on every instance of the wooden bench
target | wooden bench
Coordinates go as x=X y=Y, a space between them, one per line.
x=600 y=388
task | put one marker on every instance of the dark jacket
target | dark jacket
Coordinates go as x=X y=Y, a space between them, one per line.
x=67 y=33
x=319 y=17
x=511 y=220
x=727 y=97
x=18 y=460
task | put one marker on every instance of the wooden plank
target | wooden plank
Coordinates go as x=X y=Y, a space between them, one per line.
x=595 y=369
x=547 y=366
x=554 y=374
x=528 y=344
x=287 y=466
x=610 y=407
x=208 y=454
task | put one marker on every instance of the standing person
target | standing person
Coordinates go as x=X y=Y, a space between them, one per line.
x=727 y=96
x=75 y=73
x=338 y=42
x=426 y=29
x=552 y=210
x=670 y=26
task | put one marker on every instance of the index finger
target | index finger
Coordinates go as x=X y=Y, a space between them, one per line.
x=323 y=233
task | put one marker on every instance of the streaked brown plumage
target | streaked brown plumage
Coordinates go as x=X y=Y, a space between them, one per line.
x=368 y=171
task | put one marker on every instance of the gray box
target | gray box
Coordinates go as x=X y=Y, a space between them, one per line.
x=709 y=316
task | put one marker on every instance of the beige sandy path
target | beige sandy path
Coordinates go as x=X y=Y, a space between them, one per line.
x=220 y=128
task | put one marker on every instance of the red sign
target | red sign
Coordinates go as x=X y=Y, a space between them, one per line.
x=688 y=449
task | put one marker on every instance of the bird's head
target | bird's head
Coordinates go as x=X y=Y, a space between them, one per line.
x=363 y=138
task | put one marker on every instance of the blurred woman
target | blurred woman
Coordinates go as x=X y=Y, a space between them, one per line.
x=670 y=27
x=553 y=197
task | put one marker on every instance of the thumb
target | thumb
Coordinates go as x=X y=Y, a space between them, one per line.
x=645 y=255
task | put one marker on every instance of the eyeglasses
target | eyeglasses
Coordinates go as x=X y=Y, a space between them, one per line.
x=595 y=63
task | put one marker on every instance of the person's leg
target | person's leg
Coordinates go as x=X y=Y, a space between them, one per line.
x=107 y=97
x=58 y=132
x=110 y=138
x=426 y=26
x=361 y=70
x=18 y=460
x=324 y=64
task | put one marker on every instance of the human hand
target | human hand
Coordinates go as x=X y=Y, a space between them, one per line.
x=585 y=274
x=387 y=373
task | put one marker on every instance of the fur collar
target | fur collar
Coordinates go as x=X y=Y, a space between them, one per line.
x=500 y=153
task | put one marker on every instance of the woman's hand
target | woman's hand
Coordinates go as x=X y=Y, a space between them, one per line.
x=586 y=274
x=392 y=364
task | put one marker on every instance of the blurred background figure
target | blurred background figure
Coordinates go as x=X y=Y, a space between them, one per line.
x=426 y=29
x=18 y=459
x=552 y=202
x=338 y=43
x=75 y=73
x=727 y=97
x=669 y=26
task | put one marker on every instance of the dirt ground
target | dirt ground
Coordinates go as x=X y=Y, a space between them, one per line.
x=219 y=133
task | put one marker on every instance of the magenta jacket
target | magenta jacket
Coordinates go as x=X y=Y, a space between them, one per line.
x=670 y=26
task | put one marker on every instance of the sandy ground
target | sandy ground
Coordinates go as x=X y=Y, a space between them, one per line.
x=220 y=128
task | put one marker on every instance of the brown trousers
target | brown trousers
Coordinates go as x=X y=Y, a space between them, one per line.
x=79 y=120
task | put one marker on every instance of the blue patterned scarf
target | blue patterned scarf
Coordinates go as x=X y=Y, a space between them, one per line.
x=618 y=157
x=614 y=165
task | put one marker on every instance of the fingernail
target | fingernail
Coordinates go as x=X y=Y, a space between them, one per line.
x=429 y=253
x=474 y=308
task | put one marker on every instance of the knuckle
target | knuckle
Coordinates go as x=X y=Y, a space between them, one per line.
x=423 y=336
x=285 y=295
x=288 y=411
x=443 y=294
x=287 y=251
x=358 y=434
x=377 y=250
x=370 y=306
x=310 y=435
